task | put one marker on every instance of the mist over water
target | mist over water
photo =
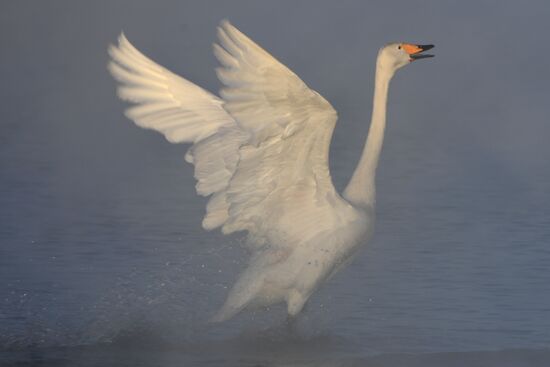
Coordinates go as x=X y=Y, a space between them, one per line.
x=102 y=255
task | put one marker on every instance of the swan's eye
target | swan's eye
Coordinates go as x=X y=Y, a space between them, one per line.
x=399 y=47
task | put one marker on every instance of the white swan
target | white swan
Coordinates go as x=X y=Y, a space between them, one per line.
x=261 y=153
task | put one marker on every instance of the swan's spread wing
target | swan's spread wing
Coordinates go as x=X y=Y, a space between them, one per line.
x=184 y=113
x=281 y=190
x=164 y=101
x=262 y=152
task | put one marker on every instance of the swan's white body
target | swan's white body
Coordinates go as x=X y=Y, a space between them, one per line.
x=261 y=152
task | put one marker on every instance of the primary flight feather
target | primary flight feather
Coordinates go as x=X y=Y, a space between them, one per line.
x=261 y=153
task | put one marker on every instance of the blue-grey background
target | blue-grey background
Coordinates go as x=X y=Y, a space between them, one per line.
x=100 y=237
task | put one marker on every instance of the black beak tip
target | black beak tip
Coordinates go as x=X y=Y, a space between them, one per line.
x=426 y=47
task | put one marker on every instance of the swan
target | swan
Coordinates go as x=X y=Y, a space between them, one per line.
x=261 y=153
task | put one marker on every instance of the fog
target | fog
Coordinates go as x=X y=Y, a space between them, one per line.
x=480 y=103
x=469 y=126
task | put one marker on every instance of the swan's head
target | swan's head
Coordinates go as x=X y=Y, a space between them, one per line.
x=394 y=56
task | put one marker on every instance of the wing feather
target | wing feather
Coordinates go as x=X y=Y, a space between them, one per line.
x=166 y=102
x=281 y=191
x=184 y=113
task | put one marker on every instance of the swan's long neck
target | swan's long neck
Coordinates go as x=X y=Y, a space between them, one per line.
x=361 y=189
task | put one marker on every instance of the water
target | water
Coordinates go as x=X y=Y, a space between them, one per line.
x=102 y=257
x=113 y=267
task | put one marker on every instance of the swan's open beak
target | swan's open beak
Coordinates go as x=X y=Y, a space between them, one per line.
x=414 y=51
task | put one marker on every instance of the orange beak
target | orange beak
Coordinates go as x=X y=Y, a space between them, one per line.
x=415 y=50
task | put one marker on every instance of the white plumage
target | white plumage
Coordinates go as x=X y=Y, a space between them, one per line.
x=261 y=152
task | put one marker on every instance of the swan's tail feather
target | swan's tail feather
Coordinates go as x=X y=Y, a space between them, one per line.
x=230 y=308
x=224 y=314
x=243 y=293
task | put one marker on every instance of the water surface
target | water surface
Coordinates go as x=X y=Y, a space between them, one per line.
x=102 y=257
